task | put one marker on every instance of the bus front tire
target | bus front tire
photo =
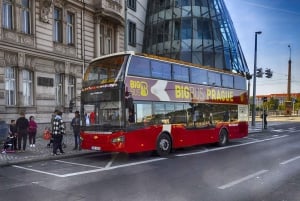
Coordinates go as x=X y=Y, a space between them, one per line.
x=164 y=145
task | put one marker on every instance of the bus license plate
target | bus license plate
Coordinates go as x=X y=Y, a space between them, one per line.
x=96 y=148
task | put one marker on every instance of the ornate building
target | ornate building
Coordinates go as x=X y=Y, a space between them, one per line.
x=45 y=46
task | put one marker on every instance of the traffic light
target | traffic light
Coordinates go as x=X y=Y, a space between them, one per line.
x=248 y=76
x=259 y=72
x=268 y=73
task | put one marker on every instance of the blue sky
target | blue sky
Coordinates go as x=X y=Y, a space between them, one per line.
x=279 y=21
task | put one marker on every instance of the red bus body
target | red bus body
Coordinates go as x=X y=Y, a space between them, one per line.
x=144 y=136
x=145 y=139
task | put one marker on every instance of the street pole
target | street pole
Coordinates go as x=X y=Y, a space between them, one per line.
x=254 y=80
x=126 y=29
x=289 y=76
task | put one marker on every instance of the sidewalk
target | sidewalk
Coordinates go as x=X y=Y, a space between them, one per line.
x=42 y=152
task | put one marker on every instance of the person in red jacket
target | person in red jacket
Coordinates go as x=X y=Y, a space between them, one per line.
x=32 y=131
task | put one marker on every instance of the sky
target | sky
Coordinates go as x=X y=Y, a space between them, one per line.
x=279 y=22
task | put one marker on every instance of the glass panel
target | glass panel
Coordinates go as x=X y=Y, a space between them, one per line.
x=227 y=80
x=70 y=28
x=186 y=29
x=160 y=70
x=10 y=86
x=214 y=79
x=7 y=16
x=139 y=66
x=239 y=82
x=198 y=76
x=107 y=70
x=143 y=112
x=180 y=73
x=27 y=87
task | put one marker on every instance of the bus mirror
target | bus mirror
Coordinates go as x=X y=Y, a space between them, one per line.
x=129 y=103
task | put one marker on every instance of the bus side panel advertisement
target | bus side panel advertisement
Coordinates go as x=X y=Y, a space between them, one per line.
x=164 y=90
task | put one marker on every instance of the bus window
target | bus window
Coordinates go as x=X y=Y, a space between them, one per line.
x=139 y=66
x=198 y=76
x=180 y=73
x=161 y=70
x=227 y=81
x=214 y=79
x=143 y=112
x=239 y=83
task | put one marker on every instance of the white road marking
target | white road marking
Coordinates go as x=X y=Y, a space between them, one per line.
x=233 y=183
x=79 y=164
x=290 y=160
x=90 y=171
x=109 y=167
x=228 y=147
x=112 y=160
x=38 y=171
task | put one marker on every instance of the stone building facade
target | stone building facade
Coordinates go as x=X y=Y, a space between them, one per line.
x=45 y=46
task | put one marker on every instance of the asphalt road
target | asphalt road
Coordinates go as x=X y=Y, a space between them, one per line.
x=262 y=167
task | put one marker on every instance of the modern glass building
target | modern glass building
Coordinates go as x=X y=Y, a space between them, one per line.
x=196 y=31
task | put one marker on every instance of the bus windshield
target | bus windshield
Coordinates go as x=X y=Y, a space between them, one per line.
x=104 y=71
x=101 y=95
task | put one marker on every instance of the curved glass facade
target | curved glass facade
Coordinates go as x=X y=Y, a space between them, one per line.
x=196 y=31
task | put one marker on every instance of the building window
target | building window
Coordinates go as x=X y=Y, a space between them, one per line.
x=102 y=39
x=59 y=85
x=10 y=86
x=132 y=34
x=71 y=88
x=27 y=87
x=25 y=18
x=131 y=4
x=109 y=40
x=7 y=14
x=70 y=28
x=57 y=25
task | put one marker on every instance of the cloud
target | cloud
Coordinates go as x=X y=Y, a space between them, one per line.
x=273 y=8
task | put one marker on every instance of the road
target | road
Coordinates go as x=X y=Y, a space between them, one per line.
x=262 y=167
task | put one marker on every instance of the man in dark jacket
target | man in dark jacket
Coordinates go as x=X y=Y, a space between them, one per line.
x=22 y=129
x=76 y=130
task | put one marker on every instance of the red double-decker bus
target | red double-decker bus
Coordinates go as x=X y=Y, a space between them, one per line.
x=136 y=103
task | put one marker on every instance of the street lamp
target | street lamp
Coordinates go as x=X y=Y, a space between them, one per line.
x=254 y=80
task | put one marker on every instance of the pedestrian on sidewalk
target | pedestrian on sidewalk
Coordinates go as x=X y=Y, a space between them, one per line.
x=32 y=131
x=58 y=132
x=75 y=123
x=13 y=132
x=22 y=129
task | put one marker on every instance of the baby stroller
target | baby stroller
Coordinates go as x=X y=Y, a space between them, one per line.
x=9 y=144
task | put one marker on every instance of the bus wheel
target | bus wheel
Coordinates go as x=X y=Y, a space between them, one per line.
x=223 y=138
x=164 y=145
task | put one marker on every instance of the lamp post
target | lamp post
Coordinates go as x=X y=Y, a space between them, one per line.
x=254 y=80
x=289 y=76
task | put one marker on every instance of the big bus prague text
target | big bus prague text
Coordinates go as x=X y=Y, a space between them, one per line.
x=136 y=103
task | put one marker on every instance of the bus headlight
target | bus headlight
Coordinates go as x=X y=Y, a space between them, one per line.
x=118 y=139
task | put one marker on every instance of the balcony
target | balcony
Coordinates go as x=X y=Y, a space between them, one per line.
x=111 y=10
